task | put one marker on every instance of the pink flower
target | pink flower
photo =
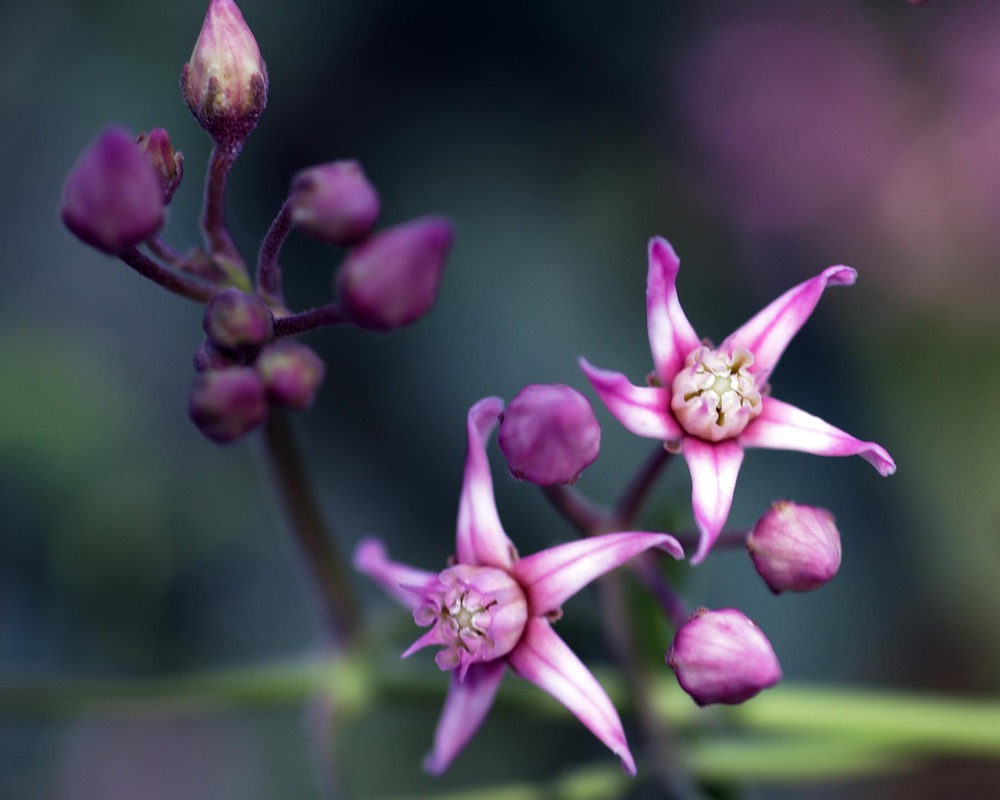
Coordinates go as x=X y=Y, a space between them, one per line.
x=492 y=610
x=711 y=403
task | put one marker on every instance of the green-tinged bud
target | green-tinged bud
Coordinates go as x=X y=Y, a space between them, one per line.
x=292 y=373
x=227 y=403
x=238 y=321
x=167 y=163
x=225 y=82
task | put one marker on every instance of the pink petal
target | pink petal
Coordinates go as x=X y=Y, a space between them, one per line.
x=465 y=708
x=545 y=660
x=671 y=336
x=781 y=426
x=768 y=333
x=552 y=576
x=371 y=558
x=480 y=540
x=644 y=410
x=713 y=467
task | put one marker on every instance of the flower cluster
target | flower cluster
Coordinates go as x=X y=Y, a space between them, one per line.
x=116 y=197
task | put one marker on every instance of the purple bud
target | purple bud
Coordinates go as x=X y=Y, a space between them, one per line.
x=549 y=434
x=292 y=373
x=722 y=657
x=225 y=81
x=208 y=356
x=392 y=279
x=167 y=163
x=235 y=320
x=334 y=202
x=795 y=548
x=227 y=403
x=112 y=198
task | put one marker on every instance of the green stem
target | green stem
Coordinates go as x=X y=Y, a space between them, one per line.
x=307 y=524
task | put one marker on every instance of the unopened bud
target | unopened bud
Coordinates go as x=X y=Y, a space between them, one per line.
x=235 y=320
x=208 y=356
x=392 y=279
x=167 y=163
x=292 y=373
x=722 y=657
x=795 y=548
x=334 y=202
x=112 y=198
x=227 y=403
x=225 y=82
x=549 y=434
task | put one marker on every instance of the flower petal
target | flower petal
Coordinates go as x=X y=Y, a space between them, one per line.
x=371 y=558
x=768 y=333
x=644 y=410
x=480 y=539
x=782 y=426
x=714 y=467
x=546 y=660
x=552 y=576
x=671 y=336
x=465 y=708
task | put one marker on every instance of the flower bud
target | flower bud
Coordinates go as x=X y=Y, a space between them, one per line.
x=549 y=434
x=112 y=198
x=392 y=279
x=292 y=373
x=722 y=657
x=227 y=403
x=208 y=356
x=235 y=320
x=167 y=163
x=795 y=547
x=225 y=81
x=334 y=202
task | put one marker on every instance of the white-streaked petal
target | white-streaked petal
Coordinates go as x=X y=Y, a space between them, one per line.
x=371 y=558
x=546 y=660
x=714 y=467
x=480 y=540
x=782 y=426
x=465 y=708
x=552 y=576
x=768 y=333
x=671 y=336
x=643 y=410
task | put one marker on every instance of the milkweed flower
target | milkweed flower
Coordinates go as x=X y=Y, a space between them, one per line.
x=711 y=403
x=492 y=610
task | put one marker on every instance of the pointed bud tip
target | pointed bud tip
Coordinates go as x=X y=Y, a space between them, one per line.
x=549 y=434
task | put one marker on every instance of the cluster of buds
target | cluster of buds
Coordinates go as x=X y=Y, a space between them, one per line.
x=115 y=199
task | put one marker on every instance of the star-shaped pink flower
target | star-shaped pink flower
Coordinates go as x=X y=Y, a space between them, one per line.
x=712 y=403
x=492 y=610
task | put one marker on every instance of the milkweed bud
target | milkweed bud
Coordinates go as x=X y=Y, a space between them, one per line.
x=795 y=548
x=227 y=403
x=722 y=657
x=235 y=320
x=167 y=163
x=334 y=202
x=225 y=81
x=112 y=199
x=292 y=373
x=549 y=434
x=392 y=278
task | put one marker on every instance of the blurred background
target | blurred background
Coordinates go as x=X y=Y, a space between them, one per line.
x=766 y=141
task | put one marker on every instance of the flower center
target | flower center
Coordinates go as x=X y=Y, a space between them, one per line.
x=715 y=396
x=476 y=613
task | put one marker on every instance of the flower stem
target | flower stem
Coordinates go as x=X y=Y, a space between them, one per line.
x=213 y=218
x=306 y=520
x=635 y=493
x=178 y=284
x=293 y=324
x=268 y=269
x=587 y=517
